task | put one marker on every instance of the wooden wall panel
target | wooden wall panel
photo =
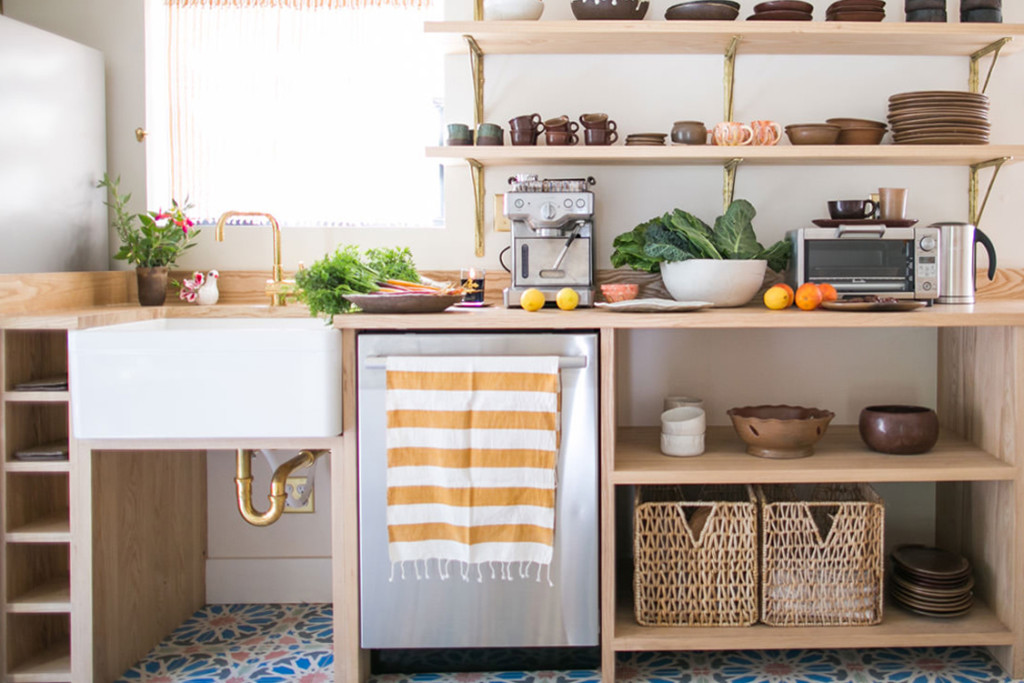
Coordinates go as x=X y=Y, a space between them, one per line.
x=148 y=552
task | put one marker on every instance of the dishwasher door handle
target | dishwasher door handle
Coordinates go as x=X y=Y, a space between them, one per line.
x=564 y=362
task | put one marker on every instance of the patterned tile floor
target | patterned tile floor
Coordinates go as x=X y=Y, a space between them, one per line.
x=292 y=643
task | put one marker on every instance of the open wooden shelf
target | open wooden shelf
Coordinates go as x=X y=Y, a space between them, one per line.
x=840 y=456
x=52 y=597
x=50 y=666
x=37 y=396
x=55 y=528
x=51 y=467
x=656 y=36
x=980 y=627
x=780 y=155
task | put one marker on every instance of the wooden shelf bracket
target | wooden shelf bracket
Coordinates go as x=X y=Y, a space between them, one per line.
x=729 y=182
x=476 y=63
x=974 y=81
x=973 y=210
x=729 y=78
x=479 y=192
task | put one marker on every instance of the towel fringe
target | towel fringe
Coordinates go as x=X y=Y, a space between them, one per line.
x=504 y=572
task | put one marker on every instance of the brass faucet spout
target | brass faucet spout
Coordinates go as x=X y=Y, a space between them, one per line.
x=278 y=493
x=274 y=287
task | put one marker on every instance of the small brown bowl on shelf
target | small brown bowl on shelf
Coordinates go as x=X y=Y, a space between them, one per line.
x=780 y=431
x=863 y=135
x=607 y=9
x=899 y=429
x=620 y=291
x=813 y=133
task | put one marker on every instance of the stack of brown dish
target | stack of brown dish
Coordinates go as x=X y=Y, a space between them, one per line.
x=648 y=139
x=939 y=117
x=930 y=581
x=856 y=10
x=714 y=10
x=782 y=10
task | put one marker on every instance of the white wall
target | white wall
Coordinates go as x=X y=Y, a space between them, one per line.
x=645 y=93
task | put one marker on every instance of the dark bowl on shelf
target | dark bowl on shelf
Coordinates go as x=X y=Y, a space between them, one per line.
x=813 y=133
x=604 y=9
x=712 y=11
x=898 y=429
x=860 y=135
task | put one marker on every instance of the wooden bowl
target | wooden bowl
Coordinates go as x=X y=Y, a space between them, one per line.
x=899 y=430
x=813 y=133
x=780 y=431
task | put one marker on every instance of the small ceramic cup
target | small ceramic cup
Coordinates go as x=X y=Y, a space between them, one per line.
x=489 y=130
x=459 y=134
x=680 y=401
x=682 y=445
x=561 y=124
x=733 y=134
x=689 y=133
x=851 y=209
x=892 y=203
x=766 y=132
x=600 y=136
x=560 y=137
x=688 y=420
x=526 y=121
x=594 y=120
x=523 y=137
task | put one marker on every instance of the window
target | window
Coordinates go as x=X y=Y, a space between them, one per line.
x=314 y=110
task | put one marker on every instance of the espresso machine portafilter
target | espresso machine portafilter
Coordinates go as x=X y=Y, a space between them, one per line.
x=552 y=231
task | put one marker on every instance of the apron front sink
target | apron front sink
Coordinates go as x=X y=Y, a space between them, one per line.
x=206 y=377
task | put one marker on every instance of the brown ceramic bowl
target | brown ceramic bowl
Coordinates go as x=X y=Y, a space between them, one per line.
x=606 y=9
x=856 y=123
x=701 y=11
x=899 y=430
x=780 y=431
x=813 y=133
x=862 y=135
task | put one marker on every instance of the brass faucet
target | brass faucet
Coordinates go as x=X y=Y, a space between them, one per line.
x=277 y=288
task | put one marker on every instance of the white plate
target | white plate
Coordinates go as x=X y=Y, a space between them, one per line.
x=654 y=306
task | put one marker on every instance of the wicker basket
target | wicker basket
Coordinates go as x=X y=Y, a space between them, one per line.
x=695 y=556
x=822 y=558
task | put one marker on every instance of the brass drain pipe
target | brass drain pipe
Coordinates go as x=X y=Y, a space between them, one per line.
x=278 y=493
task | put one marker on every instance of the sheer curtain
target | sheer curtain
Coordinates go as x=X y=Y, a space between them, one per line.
x=314 y=110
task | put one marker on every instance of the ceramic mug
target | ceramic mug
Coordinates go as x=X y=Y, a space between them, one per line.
x=489 y=130
x=733 y=134
x=561 y=123
x=526 y=136
x=689 y=133
x=892 y=203
x=459 y=134
x=766 y=132
x=560 y=137
x=600 y=136
x=594 y=120
x=526 y=122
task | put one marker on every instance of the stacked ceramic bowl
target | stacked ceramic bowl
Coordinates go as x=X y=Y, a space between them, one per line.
x=646 y=139
x=856 y=10
x=931 y=581
x=706 y=10
x=782 y=10
x=939 y=117
x=682 y=431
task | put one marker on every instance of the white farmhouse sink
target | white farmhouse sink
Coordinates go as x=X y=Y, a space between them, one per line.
x=208 y=377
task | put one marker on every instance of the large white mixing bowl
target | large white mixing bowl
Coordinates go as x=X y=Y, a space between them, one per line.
x=724 y=283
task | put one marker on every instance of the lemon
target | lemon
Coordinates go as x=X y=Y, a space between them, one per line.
x=778 y=297
x=567 y=299
x=532 y=300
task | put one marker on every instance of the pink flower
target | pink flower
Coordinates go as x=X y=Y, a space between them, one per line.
x=161 y=216
x=191 y=296
x=198 y=278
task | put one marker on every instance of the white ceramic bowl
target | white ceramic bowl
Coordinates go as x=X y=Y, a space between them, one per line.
x=682 y=444
x=513 y=10
x=725 y=282
x=685 y=420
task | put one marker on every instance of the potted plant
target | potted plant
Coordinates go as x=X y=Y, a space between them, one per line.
x=152 y=241
x=723 y=265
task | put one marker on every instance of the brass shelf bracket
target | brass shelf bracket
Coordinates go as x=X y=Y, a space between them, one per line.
x=973 y=210
x=729 y=80
x=478 y=10
x=974 y=81
x=479 y=191
x=729 y=184
x=476 y=63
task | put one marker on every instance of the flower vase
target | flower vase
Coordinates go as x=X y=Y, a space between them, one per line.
x=152 y=284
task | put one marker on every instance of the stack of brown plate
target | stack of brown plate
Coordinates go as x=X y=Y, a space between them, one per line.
x=939 y=117
x=856 y=10
x=649 y=139
x=782 y=10
x=931 y=581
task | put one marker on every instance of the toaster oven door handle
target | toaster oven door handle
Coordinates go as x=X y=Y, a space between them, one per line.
x=564 y=362
x=878 y=230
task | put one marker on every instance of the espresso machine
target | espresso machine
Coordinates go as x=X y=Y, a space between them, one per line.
x=552 y=237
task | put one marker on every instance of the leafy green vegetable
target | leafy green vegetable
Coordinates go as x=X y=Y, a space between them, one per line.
x=324 y=284
x=679 y=236
x=392 y=263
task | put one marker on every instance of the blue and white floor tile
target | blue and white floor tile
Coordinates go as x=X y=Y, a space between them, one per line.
x=292 y=644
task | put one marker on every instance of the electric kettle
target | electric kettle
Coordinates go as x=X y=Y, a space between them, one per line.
x=957 y=258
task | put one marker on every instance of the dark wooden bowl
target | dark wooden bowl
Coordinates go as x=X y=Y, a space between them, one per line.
x=899 y=430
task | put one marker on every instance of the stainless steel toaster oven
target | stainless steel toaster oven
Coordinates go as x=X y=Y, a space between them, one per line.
x=902 y=263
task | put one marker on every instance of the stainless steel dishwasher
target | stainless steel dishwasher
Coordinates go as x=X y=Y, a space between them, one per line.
x=435 y=613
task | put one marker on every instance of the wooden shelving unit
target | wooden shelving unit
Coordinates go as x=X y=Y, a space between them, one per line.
x=35 y=529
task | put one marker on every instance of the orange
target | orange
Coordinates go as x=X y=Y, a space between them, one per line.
x=828 y=292
x=785 y=287
x=808 y=296
x=778 y=297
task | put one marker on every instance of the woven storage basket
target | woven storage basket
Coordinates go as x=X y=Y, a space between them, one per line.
x=695 y=556
x=821 y=557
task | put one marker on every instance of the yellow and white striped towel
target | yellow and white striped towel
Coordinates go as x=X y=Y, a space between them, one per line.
x=472 y=447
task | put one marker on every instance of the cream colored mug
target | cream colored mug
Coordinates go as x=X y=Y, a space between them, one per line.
x=733 y=134
x=766 y=132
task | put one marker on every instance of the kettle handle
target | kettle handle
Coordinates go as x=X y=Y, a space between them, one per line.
x=979 y=236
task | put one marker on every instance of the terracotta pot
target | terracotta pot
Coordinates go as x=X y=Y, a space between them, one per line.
x=152 y=284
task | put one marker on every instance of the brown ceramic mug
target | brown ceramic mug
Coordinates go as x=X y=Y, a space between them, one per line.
x=523 y=137
x=594 y=120
x=599 y=136
x=526 y=122
x=560 y=137
x=561 y=124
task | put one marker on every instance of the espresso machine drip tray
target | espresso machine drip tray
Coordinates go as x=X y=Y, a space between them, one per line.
x=552 y=230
